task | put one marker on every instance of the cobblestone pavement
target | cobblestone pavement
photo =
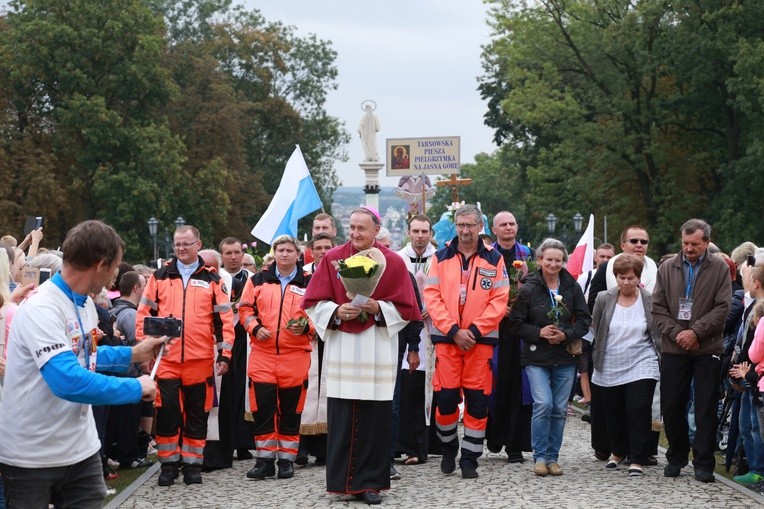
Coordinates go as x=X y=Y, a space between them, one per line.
x=584 y=484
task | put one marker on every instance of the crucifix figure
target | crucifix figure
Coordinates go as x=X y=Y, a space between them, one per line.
x=453 y=182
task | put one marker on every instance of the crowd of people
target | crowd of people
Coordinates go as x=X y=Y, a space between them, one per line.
x=209 y=359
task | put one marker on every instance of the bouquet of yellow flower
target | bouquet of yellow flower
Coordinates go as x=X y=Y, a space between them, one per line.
x=360 y=274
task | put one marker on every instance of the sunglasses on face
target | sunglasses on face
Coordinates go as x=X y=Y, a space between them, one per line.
x=644 y=242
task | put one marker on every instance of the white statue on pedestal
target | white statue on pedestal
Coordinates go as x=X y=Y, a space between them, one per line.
x=368 y=129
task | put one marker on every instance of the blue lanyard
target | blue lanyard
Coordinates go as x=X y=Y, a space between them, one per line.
x=554 y=302
x=690 y=283
x=75 y=298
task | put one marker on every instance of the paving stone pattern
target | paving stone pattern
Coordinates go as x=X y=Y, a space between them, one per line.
x=585 y=484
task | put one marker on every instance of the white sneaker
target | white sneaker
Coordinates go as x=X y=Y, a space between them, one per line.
x=110 y=492
x=113 y=464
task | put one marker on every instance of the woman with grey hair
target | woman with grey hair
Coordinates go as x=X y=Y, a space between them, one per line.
x=46 y=261
x=551 y=317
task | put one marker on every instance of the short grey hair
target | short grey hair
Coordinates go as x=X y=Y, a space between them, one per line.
x=46 y=261
x=384 y=233
x=693 y=225
x=553 y=244
x=469 y=209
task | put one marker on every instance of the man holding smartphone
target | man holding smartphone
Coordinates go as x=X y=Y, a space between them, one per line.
x=185 y=289
x=51 y=451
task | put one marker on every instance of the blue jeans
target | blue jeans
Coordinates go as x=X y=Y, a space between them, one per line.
x=550 y=388
x=749 y=433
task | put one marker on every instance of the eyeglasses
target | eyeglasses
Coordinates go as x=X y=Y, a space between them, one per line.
x=465 y=226
x=179 y=245
x=644 y=242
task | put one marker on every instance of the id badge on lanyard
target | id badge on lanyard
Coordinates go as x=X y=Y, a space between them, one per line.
x=685 y=310
x=685 y=304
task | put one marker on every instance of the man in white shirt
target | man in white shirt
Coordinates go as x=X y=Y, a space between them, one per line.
x=51 y=451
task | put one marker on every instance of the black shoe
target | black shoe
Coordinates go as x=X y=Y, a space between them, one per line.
x=286 y=469
x=394 y=474
x=192 y=474
x=672 y=470
x=168 y=475
x=243 y=454
x=601 y=455
x=651 y=461
x=448 y=463
x=704 y=476
x=469 y=472
x=320 y=460
x=586 y=417
x=302 y=458
x=262 y=469
x=515 y=457
x=369 y=497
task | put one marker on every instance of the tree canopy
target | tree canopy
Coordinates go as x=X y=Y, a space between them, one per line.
x=642 y=111
x=124 y=110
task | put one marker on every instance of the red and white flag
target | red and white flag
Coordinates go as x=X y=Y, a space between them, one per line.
x=581 y=260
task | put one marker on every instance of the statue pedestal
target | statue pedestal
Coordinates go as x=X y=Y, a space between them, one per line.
x=371 y=189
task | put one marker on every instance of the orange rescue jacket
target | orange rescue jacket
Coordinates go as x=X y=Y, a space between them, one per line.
x=487 y=293
x=203 y=305
x=263 y=304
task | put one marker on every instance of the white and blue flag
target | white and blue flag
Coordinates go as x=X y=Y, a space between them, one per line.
x=295 y=198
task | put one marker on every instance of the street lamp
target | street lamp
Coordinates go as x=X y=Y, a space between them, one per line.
x=179 y=222
x=578 y=221
x=153 y=223
x=551 y=223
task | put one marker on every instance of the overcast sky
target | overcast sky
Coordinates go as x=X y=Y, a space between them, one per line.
x=418 y=59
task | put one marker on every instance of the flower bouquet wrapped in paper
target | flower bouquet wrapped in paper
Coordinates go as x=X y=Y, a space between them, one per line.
x=360 y=274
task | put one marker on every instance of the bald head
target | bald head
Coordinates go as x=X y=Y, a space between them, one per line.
x=211 y=258
x=505 y=229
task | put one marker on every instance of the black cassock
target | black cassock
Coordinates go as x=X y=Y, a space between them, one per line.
x=509 y=421
x=358 y=456
x=235 y=431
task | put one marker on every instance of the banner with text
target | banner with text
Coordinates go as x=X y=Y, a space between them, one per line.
x=415 y=156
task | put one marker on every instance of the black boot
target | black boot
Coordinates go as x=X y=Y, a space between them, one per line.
x=262 y=469
x=192 y=474
x=168 y=475
x=286 y=469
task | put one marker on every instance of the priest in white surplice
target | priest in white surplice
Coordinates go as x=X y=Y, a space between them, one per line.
x=360 y=361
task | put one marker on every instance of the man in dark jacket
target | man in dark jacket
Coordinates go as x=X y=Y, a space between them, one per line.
x=690 y=303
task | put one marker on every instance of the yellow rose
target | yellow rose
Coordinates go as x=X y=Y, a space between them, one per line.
x=360 y=261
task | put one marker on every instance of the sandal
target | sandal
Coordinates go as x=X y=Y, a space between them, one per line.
x=635 y=471
x=411 y=460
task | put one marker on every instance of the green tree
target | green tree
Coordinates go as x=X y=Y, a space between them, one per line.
x=603 y=97
x=91 y=76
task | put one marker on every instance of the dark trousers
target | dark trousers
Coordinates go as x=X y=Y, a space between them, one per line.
x=628 y=411
x=101 y=416
x=122 y=433
x=80 y=485
x=677 y=372
x=599 y=435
